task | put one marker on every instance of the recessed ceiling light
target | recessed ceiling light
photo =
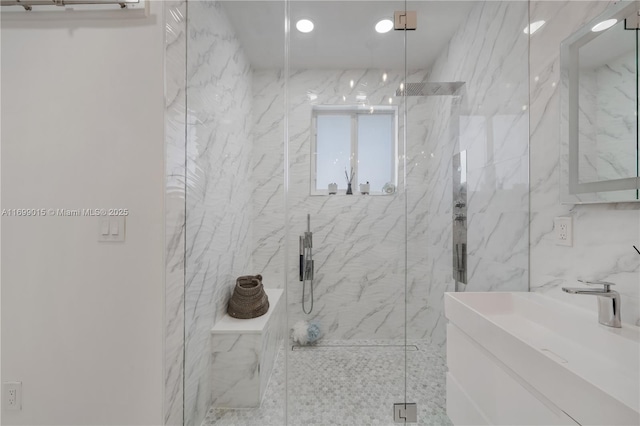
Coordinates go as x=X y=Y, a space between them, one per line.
x=604 y=25
x=304 y=26
x=533 y=27
x=384 y=26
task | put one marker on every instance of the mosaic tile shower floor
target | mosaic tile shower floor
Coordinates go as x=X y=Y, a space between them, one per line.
x=348 y=383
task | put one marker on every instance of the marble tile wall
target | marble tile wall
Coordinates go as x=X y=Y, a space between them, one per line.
x=272 y=343
x=490 y=122
x=175 y=13
x=617 y=117
x=359 y=246
x=607 y=123
x=243 y=360
x=603 y=234
x=235 y=376
x=218 y=188
x=587 y=117
x=358 y=240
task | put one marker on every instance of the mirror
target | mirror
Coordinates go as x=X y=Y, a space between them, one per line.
x=600 y=159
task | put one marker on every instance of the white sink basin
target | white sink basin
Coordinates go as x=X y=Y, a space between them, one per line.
x=589 y=370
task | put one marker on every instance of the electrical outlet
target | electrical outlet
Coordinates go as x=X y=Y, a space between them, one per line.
x=12 y=396
x=563 y=230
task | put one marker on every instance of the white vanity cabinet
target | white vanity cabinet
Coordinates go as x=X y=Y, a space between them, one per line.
x=528 y=359
x=481 y=390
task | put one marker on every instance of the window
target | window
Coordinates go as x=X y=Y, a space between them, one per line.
x=352 y=137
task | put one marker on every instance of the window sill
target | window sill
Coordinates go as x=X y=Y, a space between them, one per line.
x=342 y=193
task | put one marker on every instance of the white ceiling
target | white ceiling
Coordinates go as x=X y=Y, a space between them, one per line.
x=344 y=35
x=608 y=46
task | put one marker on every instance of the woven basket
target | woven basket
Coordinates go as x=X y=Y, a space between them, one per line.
x=248 y=299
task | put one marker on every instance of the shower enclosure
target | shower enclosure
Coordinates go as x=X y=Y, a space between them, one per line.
x=262 y=120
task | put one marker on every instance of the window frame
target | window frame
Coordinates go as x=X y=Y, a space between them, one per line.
x=353 y=111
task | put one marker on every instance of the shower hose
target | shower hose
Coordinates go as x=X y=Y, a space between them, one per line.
x=307 y=275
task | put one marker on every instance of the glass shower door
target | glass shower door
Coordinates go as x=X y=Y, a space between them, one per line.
x=345 y=213
x=467 y=173
x=234 y=211
x=320 y=154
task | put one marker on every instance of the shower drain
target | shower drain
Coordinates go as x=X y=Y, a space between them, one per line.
x=410 y=348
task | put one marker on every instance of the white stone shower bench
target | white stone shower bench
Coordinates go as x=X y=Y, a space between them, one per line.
x=244 y=353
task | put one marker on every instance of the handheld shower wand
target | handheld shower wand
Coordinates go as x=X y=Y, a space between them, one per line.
x=306 y=263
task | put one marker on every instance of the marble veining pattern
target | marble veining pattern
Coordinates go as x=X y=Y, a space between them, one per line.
x=235 y=379
x=359 y=241
x=352 y=383
x=603 y=234
x=489 y=121
x=218 y=195
x=355 y=267
x=175 y=13
x=243 y=361
x=607 y=120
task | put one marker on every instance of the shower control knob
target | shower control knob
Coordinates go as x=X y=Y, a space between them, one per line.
x=459 y=217
x=459 y=204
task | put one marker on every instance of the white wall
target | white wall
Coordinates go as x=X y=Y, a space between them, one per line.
x=603 y=235
x=82 y=126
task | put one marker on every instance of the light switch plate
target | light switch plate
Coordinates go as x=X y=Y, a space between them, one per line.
x=104 y=226
x=115 y=230
x=114 y=226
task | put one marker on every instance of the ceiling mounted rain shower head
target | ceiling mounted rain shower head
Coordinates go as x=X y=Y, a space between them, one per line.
x=430 y=89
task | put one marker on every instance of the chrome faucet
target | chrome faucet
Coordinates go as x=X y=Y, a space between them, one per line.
x=608 y=301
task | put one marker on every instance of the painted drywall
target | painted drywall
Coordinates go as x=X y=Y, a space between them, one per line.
x=603 y=234
x=82 y=127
